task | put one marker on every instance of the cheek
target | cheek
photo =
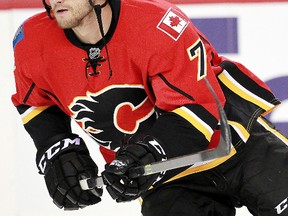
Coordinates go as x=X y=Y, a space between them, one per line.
x=51 y=3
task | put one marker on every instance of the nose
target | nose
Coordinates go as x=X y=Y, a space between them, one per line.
x=56 y=1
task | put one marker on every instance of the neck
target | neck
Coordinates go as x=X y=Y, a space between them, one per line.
x=88 y=31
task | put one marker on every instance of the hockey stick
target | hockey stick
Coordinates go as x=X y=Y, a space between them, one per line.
x=222 y=149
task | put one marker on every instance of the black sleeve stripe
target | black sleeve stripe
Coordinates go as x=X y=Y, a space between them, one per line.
x=51 y=95
x=175 y=88
x=29 y=92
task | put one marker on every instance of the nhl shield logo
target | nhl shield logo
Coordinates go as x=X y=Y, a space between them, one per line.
x=94 y=53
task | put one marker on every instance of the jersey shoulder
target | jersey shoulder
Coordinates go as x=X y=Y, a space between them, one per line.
x=155 y=19
x=32 y=35
x=32 y=32
x=159 y=28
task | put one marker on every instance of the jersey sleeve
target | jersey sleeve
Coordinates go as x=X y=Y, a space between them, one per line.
x=177 y=72
x=177 y=76
x=190 y=120
x=42 y=118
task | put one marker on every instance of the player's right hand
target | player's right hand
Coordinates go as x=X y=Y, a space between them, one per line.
x=62 y=173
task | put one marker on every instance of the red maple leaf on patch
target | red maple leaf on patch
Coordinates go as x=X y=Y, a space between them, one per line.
x=174 y=21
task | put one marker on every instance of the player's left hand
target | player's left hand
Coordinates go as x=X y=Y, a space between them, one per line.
x=124 y=185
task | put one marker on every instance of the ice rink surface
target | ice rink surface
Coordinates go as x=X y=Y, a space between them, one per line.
x=23 y=191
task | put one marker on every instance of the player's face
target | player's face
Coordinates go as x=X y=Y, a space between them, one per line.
x=71 y=13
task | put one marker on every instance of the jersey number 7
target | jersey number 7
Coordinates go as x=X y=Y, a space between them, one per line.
x=197 y=51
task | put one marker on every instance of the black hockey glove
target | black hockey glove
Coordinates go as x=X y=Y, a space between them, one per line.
x=64 y=164
x=122 y=183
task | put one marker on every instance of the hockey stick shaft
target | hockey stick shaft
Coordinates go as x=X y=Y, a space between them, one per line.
x=222 y=149
x=161 y=166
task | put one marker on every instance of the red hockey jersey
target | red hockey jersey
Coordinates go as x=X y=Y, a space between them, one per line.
x=156 y=59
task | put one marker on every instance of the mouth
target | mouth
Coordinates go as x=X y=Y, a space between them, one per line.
x=60 y=10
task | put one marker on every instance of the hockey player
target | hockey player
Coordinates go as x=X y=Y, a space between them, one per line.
x=131 y=74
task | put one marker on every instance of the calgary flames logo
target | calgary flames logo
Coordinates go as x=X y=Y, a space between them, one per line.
x=118 y=110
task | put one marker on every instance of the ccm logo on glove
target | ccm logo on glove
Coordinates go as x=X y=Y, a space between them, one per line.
x=282 y=206
x=54 y=149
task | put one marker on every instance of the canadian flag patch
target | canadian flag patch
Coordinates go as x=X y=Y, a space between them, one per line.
x=173 y=24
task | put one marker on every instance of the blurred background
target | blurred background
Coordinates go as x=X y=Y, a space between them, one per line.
x=252 y=32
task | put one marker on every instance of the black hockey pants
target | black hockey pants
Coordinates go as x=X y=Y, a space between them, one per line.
x=256 y=177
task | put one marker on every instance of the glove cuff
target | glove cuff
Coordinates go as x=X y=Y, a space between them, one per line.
x=47 y=155
x=151 y=144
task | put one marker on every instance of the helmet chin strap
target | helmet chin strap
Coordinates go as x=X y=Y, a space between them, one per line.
x=98 y=10
x=47 y=8
x=98 y=5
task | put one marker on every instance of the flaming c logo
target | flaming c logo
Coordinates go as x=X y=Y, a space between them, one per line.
x=113 y=112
